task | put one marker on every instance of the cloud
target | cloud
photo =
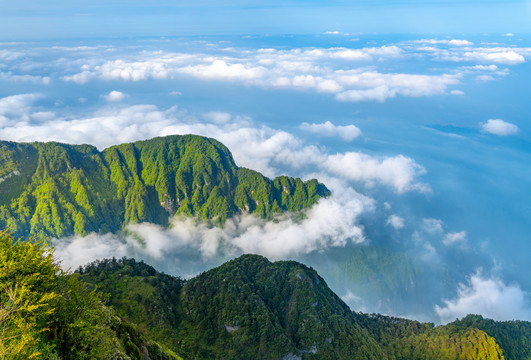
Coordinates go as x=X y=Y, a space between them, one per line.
x=35 y=79
x=324 y=70
x=347 y=133
x=8 y=55
x=377 y=86
x=489 y=297
x=114 y=96
x=396 y=222
x=500 y=57
x=499 y=127
x=489 y=55
x=455 y=238
x=453 y=42
x=270 y=151
x=16 y=110
x=218 y=117
x=333 y=222
x=220 y=70
x=468 y=53
x=432 y=226
x=397 y=172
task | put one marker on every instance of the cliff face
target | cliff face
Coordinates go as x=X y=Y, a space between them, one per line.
x=53 y=189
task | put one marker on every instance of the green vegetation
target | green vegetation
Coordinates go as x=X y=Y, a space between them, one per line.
x=407 y=339
x=53 y=189
x=514 y=336
x=47 y=314
x=252 y=308
x=246 y=308
x=139 y=293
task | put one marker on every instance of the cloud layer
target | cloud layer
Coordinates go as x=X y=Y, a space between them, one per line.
x=489 y=297
x=270 y=151
x=350 y=74
x=347 y=133
x=333 y=222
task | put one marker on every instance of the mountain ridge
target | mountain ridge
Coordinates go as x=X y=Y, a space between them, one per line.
x=56 y=189
x=250 y=307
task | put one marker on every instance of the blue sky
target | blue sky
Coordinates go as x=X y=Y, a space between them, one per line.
x=415 y=114
x=60 y=19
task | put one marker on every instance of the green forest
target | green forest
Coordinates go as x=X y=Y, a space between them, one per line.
x=55 y=190
x=248 y=308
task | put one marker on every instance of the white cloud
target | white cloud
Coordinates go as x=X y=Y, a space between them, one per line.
x=489 y=297
x=494 y=54
x=16 y=110
x=457 y=92
x=36 y=79
x=335 y=32
x=396 y=222
x=380 y=93
x=270 y=151
x=347 y=133
x=455 y=238
x=432 y=226
x=324 y=70
x=456 y=42
x=488 y=55
x=371 y=85
x=355 y=303
x=8 y=55
x=220 y=70
x=453 y=42
x=499 y=127
x=484 y=78
x=398 y=172
x=333 y=222
x=114 y=96
x=218 y=117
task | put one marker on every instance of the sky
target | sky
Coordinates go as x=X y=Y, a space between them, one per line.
x=60 y=19
x=415 y=114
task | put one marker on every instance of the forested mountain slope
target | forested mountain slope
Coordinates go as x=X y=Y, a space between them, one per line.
x=54 y=189
x=252 y=308
x=48 y=314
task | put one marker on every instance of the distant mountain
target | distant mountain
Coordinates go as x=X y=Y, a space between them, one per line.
x=54 y=189
x=252 y=308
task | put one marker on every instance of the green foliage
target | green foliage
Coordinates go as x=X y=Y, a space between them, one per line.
x=252 y=308
x=139 y=293
x=47 y=314
x=513 y=336
x=53 y=189
x=246 y=308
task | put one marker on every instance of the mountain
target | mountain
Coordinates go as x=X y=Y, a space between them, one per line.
x=48 y=314
x=252 y=308
x=54 y=189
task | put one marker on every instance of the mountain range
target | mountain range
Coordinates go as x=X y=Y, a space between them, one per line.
x=55 y=190
x=247 y=308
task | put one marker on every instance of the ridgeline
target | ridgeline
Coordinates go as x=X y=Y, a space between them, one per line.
x=251 y=308
x=54 y=189
x=248 y=308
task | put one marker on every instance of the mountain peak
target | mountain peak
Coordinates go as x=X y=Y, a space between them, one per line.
x=55 y=189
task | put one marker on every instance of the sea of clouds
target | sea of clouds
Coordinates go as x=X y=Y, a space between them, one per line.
x=346 y=74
